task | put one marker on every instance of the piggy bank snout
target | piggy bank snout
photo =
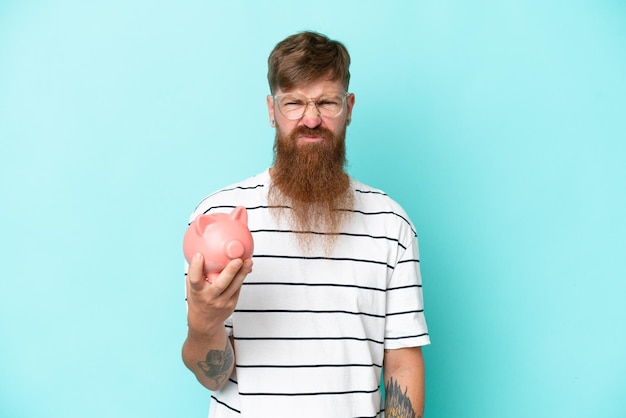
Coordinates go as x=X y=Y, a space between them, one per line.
x=234 y=249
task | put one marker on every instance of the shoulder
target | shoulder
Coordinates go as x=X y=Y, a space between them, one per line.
x=246 y=193
x=372 y=199
x=377 y=206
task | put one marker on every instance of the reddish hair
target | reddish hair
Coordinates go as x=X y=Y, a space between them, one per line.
x=306 y=57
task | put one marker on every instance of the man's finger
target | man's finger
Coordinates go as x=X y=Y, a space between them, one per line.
x=224 y=280
x=195 y=272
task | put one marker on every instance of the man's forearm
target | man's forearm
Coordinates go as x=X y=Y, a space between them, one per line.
x=404 y=383
x=211 y=359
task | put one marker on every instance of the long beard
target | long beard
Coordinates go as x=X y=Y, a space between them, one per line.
x=309 y=184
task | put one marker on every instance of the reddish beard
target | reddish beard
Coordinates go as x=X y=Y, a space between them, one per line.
x=309 y=179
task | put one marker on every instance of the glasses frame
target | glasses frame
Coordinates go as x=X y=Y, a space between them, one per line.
x=309 y=101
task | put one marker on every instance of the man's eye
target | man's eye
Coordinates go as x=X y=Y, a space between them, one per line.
x=329 y=101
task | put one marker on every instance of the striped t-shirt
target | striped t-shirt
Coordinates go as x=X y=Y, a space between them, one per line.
x=310 y=328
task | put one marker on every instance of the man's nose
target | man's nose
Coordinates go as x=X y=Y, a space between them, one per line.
x=311 y=117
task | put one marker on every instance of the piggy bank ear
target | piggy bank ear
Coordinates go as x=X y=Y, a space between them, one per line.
x=202 y=222
x=240 y=214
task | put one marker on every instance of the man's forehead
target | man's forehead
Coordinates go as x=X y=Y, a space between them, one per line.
x=314 y=89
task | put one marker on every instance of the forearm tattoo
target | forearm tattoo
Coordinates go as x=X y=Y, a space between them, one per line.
x=398 y=404
x=218 y=363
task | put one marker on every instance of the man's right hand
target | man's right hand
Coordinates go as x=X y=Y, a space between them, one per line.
x=210 y=304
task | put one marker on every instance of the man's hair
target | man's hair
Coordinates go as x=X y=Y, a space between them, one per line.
x=307 y=57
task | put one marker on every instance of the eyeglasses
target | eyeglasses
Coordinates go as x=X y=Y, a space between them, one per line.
x=293 y=106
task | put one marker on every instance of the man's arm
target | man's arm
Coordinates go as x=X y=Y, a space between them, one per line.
x=404 y=383
x=207 y=351
x=211 y=362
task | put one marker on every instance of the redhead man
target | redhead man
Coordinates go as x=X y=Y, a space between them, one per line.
x=334 y=301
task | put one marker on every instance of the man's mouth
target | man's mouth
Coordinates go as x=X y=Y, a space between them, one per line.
x=309 y=139
x=306 y=135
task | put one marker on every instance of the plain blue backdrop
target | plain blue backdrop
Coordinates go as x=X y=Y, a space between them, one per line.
x=498 y=125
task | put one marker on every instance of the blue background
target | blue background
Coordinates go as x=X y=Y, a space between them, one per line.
x=499 y=125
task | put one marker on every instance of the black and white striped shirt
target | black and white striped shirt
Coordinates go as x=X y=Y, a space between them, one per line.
x=310 y=328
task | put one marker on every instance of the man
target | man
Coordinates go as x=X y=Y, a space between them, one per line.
x=335 y=298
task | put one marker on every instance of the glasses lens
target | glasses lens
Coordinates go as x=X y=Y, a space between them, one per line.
x=292 y=106
x=330 y=106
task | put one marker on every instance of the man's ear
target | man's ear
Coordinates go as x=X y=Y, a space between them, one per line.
x=350 y=104
x=270 y=110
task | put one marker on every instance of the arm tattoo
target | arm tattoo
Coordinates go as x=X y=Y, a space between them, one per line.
x=218 y=363
x=397 y=404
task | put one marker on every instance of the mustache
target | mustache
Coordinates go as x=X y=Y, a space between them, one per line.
x=306 y=131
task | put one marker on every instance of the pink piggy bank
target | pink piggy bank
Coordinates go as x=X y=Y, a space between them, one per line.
x=220 y=237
